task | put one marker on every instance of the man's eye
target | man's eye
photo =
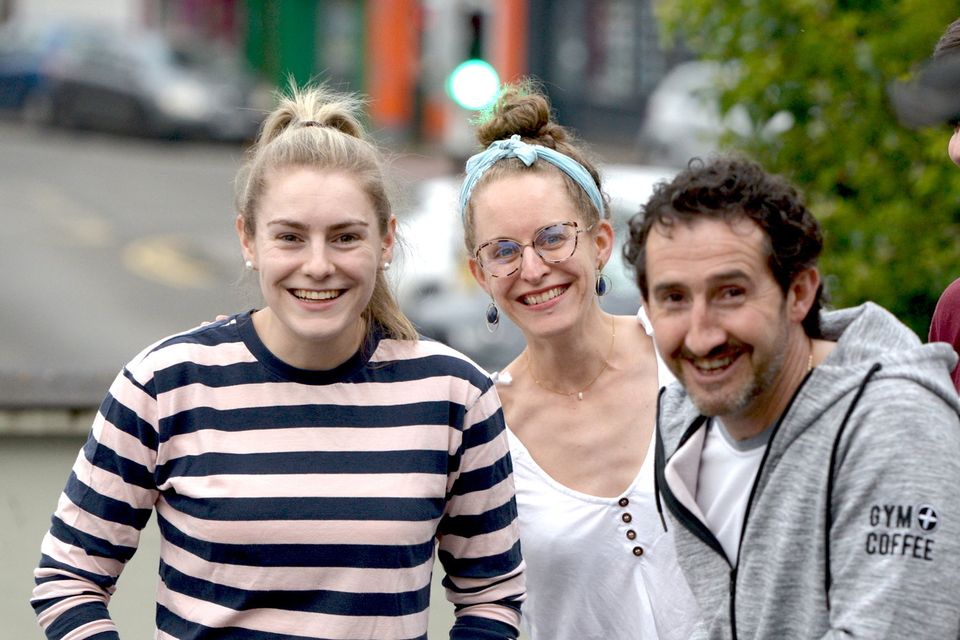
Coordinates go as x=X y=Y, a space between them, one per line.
x=732 y=292
x=671 y=298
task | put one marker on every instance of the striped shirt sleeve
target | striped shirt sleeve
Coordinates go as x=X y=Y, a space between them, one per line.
x=479 y=534
x=107 y=500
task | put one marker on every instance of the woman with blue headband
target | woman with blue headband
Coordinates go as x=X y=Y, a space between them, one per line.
x=580 y=400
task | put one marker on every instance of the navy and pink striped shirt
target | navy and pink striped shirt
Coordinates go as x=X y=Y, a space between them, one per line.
x=291 y=503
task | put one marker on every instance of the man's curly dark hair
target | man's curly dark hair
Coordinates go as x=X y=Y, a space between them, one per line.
x=729 y=187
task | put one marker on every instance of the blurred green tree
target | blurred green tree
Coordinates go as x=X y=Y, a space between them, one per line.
x=888 y=197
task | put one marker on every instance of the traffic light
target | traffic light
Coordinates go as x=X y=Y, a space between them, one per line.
x=474 y=83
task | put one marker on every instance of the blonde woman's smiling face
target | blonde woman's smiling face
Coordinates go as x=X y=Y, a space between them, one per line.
x=317 y=249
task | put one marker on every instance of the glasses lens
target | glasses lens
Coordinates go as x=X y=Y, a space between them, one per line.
x=556 y=242
x=500 y=256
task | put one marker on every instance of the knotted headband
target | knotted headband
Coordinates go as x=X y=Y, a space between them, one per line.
x=514 y=147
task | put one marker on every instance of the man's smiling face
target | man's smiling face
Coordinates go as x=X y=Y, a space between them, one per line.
x=719 y=316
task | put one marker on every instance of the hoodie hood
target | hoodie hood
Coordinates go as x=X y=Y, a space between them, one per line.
x=869 y=335
x=866 y=335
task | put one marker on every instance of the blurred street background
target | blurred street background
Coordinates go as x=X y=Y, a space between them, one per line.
x=123 y=123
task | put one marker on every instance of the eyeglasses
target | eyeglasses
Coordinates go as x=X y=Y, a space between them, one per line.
x=553 y=243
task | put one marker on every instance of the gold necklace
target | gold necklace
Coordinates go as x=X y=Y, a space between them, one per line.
x=579 y=394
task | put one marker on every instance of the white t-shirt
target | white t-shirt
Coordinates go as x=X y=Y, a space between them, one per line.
x=598 y=568
x=727 y=471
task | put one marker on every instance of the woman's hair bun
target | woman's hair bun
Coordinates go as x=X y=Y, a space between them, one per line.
x=521 y=109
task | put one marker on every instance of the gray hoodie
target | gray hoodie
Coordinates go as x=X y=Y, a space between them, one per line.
x=852 y=527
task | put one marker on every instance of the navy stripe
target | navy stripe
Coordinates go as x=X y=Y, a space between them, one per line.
x=313 y=601
x=185 y=373
x=126 y=420
x=297 y=508
x=483 y=432
x=42 y=604
x=484 y=478
x=103 y=506
x=103 y=457
x=433 y=365
x=477 y=628
x=488 y=584
x=467 y=526
x=182 y=374
x=368 y=556
x=479 y=568
x=92 y=545
x=178 y=627
x=315 y=462
x=441 y=412
x=426 y=366
x=76 y=617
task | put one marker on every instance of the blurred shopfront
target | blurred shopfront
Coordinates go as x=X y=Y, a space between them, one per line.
x=598 y=60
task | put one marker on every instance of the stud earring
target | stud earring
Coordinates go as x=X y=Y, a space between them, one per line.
x=602 y=285
x=386 y=265
x=493 y=317
x=248 y=265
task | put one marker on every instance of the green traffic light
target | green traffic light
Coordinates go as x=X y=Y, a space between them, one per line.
x=473 y=84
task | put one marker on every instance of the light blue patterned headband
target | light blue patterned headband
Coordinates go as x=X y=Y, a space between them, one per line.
x=514 y=147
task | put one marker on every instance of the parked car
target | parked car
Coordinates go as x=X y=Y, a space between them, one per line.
x=438 y=293
x=683 y=118
x=135 y=82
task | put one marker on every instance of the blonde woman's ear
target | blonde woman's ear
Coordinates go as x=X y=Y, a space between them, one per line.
x=388 y=243
x=245 y=242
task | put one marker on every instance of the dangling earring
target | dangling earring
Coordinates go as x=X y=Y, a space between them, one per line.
x=493 y=317
x=248 y=265
x=602 y=285
x=386 y=265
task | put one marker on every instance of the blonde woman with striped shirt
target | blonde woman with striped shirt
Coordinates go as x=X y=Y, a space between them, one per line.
x=303 y=459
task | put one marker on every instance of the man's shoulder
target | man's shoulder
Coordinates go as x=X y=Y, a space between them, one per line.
x=905 y=404
x=872 y=345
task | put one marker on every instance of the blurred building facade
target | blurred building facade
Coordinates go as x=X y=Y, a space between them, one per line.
x=597 y=60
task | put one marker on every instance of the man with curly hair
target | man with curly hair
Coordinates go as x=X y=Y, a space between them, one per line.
x=808 y=459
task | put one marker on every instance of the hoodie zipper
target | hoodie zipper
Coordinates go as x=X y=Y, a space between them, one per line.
x=746 y=514
x=733 y=598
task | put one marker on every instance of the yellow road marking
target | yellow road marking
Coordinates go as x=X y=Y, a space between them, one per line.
x=162 y=259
